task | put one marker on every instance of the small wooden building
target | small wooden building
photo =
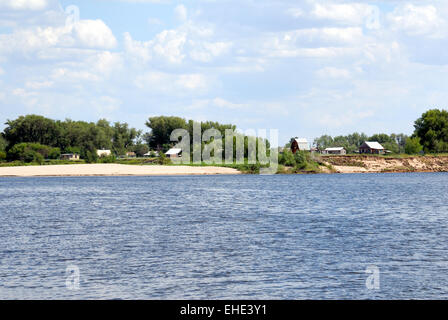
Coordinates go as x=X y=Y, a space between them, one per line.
x=336 y=151
x=70 y=156
x=131 y=154
x=174 y=153
x=300 y=144
x=371 y=147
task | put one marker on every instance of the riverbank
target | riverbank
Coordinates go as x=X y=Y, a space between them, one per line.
x=110 y=170
x=379 y=164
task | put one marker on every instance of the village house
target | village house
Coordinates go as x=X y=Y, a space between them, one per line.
x=336 y=150
x=70 y=156
x=300 y=144
x=174 y=153
x=131 y=154
x=372 y=147
x=103 y=153
x=151 y=153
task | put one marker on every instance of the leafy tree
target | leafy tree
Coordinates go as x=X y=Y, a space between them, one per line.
x=381 y=138
x=140 y=149
x=3 y=143
x=29 y=152
x=161 y=129
x=123 y=137
x=413 y=146
x=432 y=129
x=2 y=155
x=32 y=128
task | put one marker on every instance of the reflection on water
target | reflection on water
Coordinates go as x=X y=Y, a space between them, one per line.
x=224 y=237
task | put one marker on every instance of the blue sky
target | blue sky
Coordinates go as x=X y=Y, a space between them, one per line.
x=306 y=68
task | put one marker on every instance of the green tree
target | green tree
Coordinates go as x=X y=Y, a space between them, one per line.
x=287 y=158
x=432 y=129
x=123 y=137
x=413 y=146
x=161 y=129
x=140 y=149
x=32 y=128
x=3 y=143
x=29 y=152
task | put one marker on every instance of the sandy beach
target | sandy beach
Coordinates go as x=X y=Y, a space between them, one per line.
x=110 y=170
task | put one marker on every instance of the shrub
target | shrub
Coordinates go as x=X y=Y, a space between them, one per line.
x=287 y=159
x=163 y=160
x=90 y=157
x=413 y=146
x=107 y=159
x=55 y=153
x=28 y=152
x=2 y=155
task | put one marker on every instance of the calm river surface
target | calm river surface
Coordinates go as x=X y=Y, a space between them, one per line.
x=225 y=237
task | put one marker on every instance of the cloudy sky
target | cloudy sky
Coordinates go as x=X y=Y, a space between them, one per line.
x=306 y=67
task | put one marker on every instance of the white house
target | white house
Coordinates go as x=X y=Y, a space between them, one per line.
x=174 y=153
x=336 y=150
x=150 y=153
x=103 y=153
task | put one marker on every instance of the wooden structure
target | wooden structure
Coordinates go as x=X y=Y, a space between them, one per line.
x=336 y=150
x=371 y=147
x=300 y=144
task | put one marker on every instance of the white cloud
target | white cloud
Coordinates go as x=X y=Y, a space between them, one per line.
x=94 y=34
x=332 y=72
x=347 y=13
x=104 y=105
x=418 y=20
x=174 y=46
x=161 y=82
x=181 y=12
x=328 y=35
x=83 y=34
x=295 y=12
x=222 y=103
x=167 y=45
x=69 y=75
x=206 y=51
x=24 y=4
x=36 y=85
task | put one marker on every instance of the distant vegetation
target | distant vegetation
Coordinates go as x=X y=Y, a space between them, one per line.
x=39 y=140
x=34 y=138
x=430 y=136
x=394 y=142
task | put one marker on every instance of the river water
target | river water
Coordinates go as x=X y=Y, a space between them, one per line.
x=356 y=236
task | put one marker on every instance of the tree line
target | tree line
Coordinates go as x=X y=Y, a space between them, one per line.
x=33 y=138
x=430 y=135
x=29 y=138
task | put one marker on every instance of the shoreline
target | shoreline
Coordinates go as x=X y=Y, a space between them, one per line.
x=374 y=164
x=110 y=170
x=333 y=165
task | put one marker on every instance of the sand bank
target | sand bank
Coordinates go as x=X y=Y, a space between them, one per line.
x=366 y=164
x=110 y=170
